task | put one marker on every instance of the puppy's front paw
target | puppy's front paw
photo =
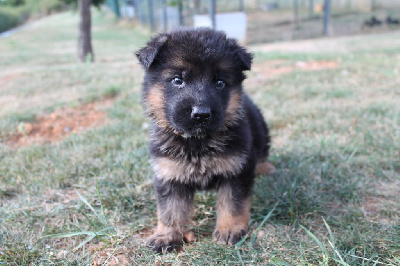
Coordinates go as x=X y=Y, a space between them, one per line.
x=228 y=236
x=165 y=241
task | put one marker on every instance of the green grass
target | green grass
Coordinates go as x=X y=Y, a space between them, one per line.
x=334 y=200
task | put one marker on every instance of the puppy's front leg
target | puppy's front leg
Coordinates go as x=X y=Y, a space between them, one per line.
x=233 y=213
x=174 y=210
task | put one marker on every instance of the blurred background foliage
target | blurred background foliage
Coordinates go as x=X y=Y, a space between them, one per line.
x=14 y=12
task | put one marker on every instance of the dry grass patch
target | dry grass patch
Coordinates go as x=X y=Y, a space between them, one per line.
x=274 y=68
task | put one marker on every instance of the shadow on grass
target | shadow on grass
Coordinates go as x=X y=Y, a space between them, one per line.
x=305 y=185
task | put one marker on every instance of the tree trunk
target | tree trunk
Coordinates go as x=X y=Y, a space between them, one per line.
x=85 y=38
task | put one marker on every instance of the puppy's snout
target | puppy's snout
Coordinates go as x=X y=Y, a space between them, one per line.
x=201 y=114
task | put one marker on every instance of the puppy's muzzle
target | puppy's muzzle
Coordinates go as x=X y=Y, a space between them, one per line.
x=201 y=114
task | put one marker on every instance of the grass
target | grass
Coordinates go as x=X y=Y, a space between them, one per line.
x=334 y=200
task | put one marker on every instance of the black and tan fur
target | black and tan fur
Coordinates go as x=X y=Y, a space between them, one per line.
x=206 y=133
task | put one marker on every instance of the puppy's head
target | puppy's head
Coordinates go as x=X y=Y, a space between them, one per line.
x=193 y=80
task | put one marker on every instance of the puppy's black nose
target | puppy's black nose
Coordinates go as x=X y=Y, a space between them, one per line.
x=200 y=113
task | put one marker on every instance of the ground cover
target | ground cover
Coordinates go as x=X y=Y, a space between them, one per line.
x=86 y=196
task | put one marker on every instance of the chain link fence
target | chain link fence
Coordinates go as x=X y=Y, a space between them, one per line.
x=265 y=20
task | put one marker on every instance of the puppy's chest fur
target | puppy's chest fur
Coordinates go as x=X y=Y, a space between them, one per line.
x=195 y=160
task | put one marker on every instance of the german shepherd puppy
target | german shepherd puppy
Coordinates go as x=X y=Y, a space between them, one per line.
x=206 y=133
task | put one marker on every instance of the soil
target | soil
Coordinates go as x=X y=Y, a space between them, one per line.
x=383 y=199
x=111 y=256
x=60 y=123
x=279 y=67
x=272 y=68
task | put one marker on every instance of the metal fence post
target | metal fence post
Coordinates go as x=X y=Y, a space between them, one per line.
x=165 y=20
x=373 y=5
x=241 y=5
x=212 y=13
x=296 y=13
x=327 y=14
x=180 y=11
x=151 y=15
x=136 y=7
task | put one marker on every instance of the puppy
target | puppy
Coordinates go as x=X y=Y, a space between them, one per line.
x=206 y=133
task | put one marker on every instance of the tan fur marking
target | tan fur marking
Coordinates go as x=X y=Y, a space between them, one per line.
x=226 y=221
x=166 y=229
x=170 y=73
x=189 y=236
x=155 y=105
x=265 y=167
x=172 y=226
x=165 y=236
x=177 y=212
x=234 y=109
x=230 y=225
x=197 y=170
x=167 y=73
x=178 y=62
x=168 y=233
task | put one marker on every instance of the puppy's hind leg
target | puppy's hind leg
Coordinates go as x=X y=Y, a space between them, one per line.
x=263 y=167
x=174 y=210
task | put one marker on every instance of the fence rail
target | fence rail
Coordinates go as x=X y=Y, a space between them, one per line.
x=266 y=20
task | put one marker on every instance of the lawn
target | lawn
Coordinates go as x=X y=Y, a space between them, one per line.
x=87 y=197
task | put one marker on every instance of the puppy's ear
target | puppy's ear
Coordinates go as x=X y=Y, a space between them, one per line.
x=245 y=58
x=147 y=54
x=241 y=54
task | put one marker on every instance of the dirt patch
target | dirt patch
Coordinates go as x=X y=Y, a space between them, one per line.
x=11 y=75
x=64 y=196
x=7 y=78
x=110 y=256
x=279 y=67
x=316 y=65
x=384 y=200
x=60 y=123
x=273 y=68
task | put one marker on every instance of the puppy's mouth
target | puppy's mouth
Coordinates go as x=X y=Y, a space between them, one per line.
x=196 y=132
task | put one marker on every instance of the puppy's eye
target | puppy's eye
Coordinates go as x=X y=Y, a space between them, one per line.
x=220 y=84
x=177 y=81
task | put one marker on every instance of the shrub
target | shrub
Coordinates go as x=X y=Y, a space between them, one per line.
x=12 y=15
x=8 y=19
